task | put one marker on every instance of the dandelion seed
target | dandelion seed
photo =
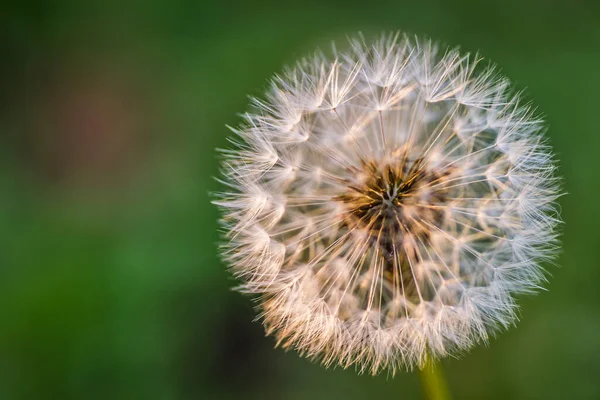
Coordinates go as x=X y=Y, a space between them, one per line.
x=388 y=204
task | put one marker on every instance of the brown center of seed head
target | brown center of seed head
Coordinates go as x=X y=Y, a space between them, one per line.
x=397 y=205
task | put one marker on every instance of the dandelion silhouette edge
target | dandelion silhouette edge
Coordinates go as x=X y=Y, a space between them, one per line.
x=386 y=205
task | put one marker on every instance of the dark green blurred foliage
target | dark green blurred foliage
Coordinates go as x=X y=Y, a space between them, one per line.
x=110 y=284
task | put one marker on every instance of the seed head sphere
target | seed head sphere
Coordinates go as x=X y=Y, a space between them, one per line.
x=385 y=206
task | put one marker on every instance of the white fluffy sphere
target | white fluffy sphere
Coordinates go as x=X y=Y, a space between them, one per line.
x=386 y=205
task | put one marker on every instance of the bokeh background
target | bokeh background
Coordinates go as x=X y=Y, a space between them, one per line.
x=110 y=284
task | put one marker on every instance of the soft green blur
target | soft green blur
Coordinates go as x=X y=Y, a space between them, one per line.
x=110 y=284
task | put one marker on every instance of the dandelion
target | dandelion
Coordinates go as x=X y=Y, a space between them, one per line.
x=385 y=206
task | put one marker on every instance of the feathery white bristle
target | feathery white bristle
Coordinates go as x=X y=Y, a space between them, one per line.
x=386 y=205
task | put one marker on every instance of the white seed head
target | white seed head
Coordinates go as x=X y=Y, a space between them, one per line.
x=386 y=205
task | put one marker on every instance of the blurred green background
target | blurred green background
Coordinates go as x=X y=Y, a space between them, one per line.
x=110 y=286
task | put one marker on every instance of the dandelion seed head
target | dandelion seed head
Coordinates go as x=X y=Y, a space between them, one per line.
x=387 y=204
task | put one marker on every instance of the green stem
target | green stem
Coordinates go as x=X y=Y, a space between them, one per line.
x=433 y=381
